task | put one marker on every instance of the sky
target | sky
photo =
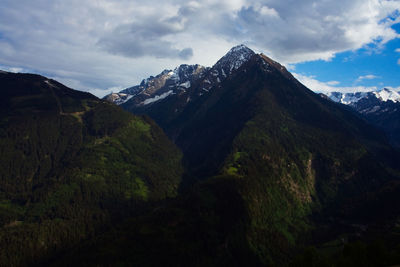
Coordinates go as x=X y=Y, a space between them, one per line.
x=103 y=46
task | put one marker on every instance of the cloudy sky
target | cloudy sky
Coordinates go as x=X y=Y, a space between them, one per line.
x=106 y=45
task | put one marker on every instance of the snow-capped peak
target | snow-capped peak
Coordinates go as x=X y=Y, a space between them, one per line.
x=241 y=49
x=346 y=98
x=384 y=95
x=234 y=59
x=387 y=94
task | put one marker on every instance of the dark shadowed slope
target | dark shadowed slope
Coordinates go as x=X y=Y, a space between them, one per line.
x=71 y=165
x=294 y=157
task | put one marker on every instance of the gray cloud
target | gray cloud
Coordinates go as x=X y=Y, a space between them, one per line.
x=308 y=30
x=146 y=37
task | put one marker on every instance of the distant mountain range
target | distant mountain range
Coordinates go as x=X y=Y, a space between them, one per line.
x=383 y=95
x=381 y=108
x=238 y=164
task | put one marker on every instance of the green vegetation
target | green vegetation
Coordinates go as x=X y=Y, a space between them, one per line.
x=72 y=165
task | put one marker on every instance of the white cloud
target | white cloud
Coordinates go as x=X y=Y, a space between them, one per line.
x=325 y=87
x=366 y=77
x=333 y=83
x=266 y=11
x=12 y=69
x=398 y=61
x=397 y=50
x=107 y=43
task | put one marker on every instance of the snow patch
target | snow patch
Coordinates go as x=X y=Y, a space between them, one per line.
x=223 y=73
x=352 y=98
x=372 y=110
x=50 y=84
x=185 y=84
x=157 y=97
x=128 y=97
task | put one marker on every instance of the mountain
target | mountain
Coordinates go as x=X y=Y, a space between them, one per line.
x=380 y=108
x=272 y=175
x=270 y=168
x=71 y=166
x=177 y=81
x=153 y=89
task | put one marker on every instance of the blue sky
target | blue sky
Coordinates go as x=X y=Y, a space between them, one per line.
x=370 y=67
x=107 y=45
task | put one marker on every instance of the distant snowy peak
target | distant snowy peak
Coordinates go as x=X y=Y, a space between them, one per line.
x=233 y=59
x=387 y=94
x=384 y=95
x=347 y=98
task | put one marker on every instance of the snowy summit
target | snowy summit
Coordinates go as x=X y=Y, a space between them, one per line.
x=234 y=59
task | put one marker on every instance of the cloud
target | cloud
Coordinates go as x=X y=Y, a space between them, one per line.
x=325 y=87
x=107 y=43
x=333 y=83
x=12 y=69
x=366 y=77
x=145 y=37
x=310 y=30
x=398 y=51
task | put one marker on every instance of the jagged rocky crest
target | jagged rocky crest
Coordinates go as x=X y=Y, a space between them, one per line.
x=179 y=80
x=159 y=87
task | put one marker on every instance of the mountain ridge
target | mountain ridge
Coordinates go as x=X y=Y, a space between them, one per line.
x=183 y=76
x=385 y=94
x=380 y=108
